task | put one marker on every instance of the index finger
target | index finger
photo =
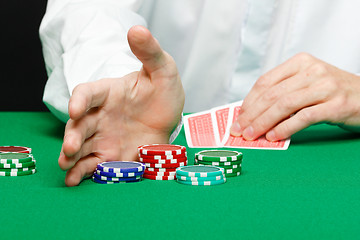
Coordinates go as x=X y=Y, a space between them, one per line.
x=86 y=96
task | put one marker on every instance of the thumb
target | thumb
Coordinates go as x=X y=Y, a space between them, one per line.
x=146 y=48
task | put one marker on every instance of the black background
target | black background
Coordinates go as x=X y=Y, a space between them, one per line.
x=22 y=71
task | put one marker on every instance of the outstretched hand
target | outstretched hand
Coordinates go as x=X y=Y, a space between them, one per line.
x=110 y=118
x=302 y=91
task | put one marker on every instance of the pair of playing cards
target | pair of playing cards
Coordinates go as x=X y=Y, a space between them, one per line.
x=212 y=129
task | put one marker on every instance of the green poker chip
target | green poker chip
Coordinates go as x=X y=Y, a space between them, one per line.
x=218 y=164
x=18 y=165
x=14 y=158
x=235 y=166
x=16 y=169
x=219 y=155
x=232 y=174
x=231 y=171
x=14 y=174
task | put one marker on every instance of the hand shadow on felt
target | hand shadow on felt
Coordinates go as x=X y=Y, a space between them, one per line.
x=323 y=133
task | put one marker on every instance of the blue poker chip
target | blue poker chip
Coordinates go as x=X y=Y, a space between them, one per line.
x=121 y=167
x=117 y=175
x=111 y=182
x=116 y=179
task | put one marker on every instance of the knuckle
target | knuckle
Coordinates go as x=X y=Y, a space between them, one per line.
x=244 y=120
x=307 y=116
x=331 y=85
x=303 y=57
x=342 y=101
x=260 y=125
x=287 y=103
x=69 y=125
x=79 y=88
x=341 y=106
x=318 y=69
x=271 y=95
x=326 y=87
x=262 y=82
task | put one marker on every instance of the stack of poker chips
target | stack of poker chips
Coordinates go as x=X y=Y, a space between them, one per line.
x=200 y=175
x=16 y=161
x=118 y=172
x=230 y=161
x=161 y=160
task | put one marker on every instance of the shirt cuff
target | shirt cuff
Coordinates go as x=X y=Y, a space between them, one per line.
x=177 y=130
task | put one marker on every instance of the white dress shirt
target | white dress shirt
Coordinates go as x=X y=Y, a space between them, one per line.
x=220 y=47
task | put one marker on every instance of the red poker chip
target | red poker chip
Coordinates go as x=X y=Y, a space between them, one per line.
x=152 y=177
x=183 y=155
x=160 y=173
x=160 y=169
x=170 y=165
x=16 y=149
x=161 y=149
x=162 y=161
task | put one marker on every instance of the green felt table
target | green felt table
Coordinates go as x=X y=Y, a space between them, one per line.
x=310 y=191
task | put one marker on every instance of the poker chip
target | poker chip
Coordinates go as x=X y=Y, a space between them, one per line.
x=16 y=161
x=199 y=171
x=161 y=160
x=161 y=169
x=163 y=157
x=159 y=173
x=231 y=166
x=14 y=149
x=18 y=165
x=117 y=175
x=111 y=182
x=161 y=149
x=219 y=164
x=225 y=167
x=19 y=173
x=170 y=165
x=118 y=172
x=121 y=167
x=219 y=155
x=116 y=179
x=200 y=179
x=200 y=175
x=233 y=174
x=16 y=169
x=203 y=183
x=228 y=160
x=233 y=170
x=154 y=177
x=15 y=158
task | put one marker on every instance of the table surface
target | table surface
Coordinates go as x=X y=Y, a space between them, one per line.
x=310 y=191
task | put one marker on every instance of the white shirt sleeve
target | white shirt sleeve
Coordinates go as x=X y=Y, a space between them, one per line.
x=84 y=41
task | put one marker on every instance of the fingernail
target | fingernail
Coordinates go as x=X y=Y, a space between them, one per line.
x=248 y=133
x=271 y=136
x=235 y=129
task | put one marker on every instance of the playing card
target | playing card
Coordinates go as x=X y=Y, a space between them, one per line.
x=199 y=130
x=212 y=129
x=239 y=142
